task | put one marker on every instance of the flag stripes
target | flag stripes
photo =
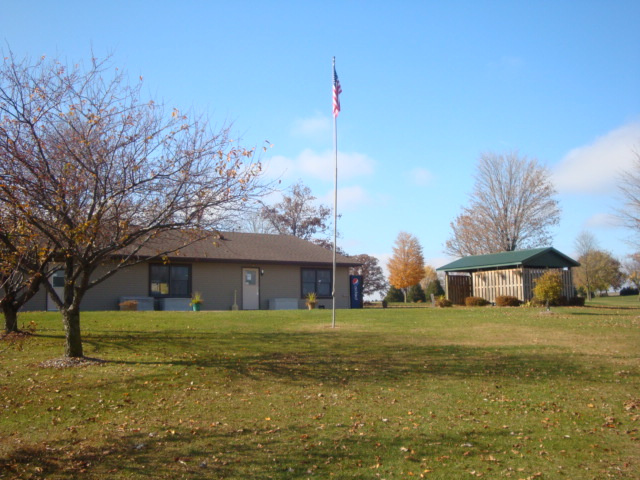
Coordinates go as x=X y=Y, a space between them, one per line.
x=337 y=90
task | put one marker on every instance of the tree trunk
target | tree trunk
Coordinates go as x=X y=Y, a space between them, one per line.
x=10 y=317
x=73 y=339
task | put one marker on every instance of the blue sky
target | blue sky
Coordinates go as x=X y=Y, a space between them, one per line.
x=428 y=86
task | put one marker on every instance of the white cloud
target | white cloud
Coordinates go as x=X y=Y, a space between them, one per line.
x=595 y=168
x=421 y=176
x=349 y=198
x=319 y=165
x=316 y=127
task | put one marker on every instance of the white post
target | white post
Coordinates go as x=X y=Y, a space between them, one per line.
x=335 y=209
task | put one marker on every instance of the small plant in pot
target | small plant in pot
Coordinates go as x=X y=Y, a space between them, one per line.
x=312 y=300
x=196 y=301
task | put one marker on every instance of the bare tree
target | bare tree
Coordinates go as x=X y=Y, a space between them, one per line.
x=406 y=265
x=373 y=280
x=629 y=185
x=97 y=171
x=586 y=245
x=298 y=215
x=511 y=208
x=254 y=222
x=430 y=275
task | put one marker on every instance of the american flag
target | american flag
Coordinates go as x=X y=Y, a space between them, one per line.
x=337 y=90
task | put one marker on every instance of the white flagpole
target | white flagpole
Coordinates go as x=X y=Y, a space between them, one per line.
x=335 y=207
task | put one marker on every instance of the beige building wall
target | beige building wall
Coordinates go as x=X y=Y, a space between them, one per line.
x=129 y=282
x=215 y=281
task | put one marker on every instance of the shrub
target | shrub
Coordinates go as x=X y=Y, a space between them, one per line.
x=475 y=302
x=443 y=302
x=561 y=301
x=507 y=301
x=549 y=287
x=129 y=305
x=628 y=291
x=536 y=302
x=384 y=304
x=576 y=302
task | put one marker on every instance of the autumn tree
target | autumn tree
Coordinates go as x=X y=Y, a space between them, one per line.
x=100 y=172
x=548 y=287
x=298 y=214
x=512 y=207
x=631 y=268
x=598 y=271
x=373 y=280
x=25 y=259
x=406 y=265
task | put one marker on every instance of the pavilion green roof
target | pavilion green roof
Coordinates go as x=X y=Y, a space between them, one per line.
x=546 y=257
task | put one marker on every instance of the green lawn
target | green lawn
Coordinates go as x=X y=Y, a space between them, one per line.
x=396 y=393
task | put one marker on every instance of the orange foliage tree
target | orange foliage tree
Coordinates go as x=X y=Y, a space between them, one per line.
x=406 y=266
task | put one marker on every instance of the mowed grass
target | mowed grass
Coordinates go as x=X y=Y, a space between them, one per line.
x=396 y=393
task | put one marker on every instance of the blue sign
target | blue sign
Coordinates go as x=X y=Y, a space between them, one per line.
x=355 y=291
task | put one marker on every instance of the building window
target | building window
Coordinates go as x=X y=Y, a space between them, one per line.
x=316 y=280
x=169 y=280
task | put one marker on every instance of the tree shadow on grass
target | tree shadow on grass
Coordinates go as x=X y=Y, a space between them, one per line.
x=293 y=451
x=326 y=357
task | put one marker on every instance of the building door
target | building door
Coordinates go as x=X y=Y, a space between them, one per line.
x=458 y=288
x=57 y=280
x=250 y=289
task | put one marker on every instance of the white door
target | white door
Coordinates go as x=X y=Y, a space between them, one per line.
x=250 y=289
x=57 y=280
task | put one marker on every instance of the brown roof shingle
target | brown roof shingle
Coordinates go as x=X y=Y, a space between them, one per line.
x=247 y=247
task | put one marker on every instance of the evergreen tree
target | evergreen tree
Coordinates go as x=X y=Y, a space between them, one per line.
x=416 y=294
x=435 y=288
x=394 y=295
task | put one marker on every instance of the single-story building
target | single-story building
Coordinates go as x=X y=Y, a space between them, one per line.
x=506 y=273
x=249 y=271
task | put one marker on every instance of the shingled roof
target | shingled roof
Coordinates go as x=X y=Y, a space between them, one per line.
x=546 y=257
x=247 y=248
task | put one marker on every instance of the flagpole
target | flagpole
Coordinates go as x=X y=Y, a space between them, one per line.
x=335 y=202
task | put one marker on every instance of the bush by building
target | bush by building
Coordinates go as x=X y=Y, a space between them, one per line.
x=475 y=302
x=507 y=301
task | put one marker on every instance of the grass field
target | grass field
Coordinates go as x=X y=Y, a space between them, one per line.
x=396 y=393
